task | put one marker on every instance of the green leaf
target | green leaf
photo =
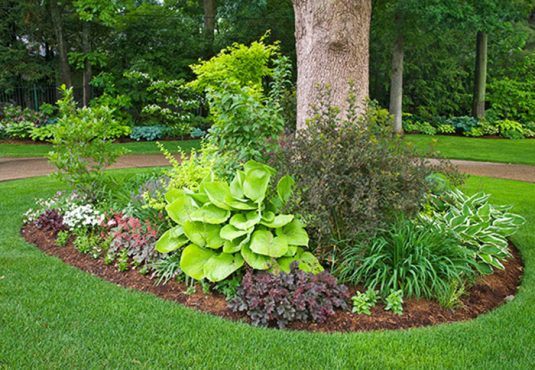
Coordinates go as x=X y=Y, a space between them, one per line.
x=218 y=192
x=236 y=185
x=210 y=214
x=278 y=221
x=256 y=180
x=256 y=261
x=245 y=221
x=180 y=209
x=307 y=262
x=295 y=233
x=230 y=232
x=263 y=242
x=285 y=188
x=221 y=266
x=193 y=259
x=171 y=240
x=173 y=194
x=204 y=235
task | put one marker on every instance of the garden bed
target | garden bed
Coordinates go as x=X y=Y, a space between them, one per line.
x=488 y=293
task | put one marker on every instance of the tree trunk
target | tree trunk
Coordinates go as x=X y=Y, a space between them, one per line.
x=87 y=74
x=396 y=82
x=209 y=23
x=332 y=41
x=480 y=78
x=57 y=23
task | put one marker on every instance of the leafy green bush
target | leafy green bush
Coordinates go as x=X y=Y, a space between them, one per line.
x=477 y=225
x=463 y=123
x=352 y=178
x=247 y=117
x=445 y=128
x=420 y=127
x=514 y=99
x=83 y=145
x=510 y=129
x=227 y=225
x=147 y=133
x=20 y=130
x=419 y=258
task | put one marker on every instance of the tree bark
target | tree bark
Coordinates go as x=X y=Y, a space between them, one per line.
x=57 y=24
x=396 y=81
x=209 y=22
x=480 y=78
x=87 y=73
x=332 y=42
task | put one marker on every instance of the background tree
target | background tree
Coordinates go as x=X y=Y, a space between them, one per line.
x=332 y=44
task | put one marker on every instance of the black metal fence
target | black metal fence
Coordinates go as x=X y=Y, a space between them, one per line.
x=34 y=96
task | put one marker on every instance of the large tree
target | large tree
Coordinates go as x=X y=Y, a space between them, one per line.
x=332 y=38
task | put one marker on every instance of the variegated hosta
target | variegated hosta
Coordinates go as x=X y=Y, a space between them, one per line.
x=477 y=224
x=223 y=226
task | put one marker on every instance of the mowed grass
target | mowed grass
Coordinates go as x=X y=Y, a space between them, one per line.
x=141 y=147
x=55 y=316
x=476 y=149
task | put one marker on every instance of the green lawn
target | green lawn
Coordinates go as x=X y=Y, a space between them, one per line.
x=142 y=147
x=54 y=316
x=477 y=149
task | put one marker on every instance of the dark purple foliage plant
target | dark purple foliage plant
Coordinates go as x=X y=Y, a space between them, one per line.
x=271 y=300
x=51 y=221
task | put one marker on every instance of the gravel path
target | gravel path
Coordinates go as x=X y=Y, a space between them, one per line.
x=19 y=168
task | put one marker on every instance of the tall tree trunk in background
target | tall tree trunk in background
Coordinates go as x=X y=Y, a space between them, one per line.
x=396 y=80
x=87 y=74
x=57 y=23
x=332 y=42
x=209 y=23
x=480 y=78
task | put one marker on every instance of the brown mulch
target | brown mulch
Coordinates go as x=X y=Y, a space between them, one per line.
x=488 y=293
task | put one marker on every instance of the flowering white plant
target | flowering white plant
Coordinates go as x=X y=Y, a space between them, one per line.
x=82 y=216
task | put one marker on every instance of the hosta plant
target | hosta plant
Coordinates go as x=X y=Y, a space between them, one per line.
x=481 y=227
x=224 y=226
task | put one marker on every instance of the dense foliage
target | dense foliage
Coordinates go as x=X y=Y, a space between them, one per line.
x=83 y=144
x=279 y=299
x=353 y=177
x=223 y=226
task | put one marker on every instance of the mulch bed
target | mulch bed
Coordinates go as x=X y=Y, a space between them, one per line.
x=489 y=292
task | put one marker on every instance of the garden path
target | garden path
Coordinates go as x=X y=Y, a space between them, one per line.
x=19 y=168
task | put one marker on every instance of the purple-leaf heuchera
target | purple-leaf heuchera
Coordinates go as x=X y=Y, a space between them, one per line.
x=51 y=221
x=270 y=299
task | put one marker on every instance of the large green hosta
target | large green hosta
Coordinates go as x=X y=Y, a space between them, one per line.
x=224 y=226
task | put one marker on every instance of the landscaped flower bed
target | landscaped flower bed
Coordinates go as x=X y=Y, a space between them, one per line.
x=340 y=227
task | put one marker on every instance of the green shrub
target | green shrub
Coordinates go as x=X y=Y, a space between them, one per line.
x=420 y=128
x=419 y=258
x=510 y=129
x=445 y=128
x=513 y=99
x=20 y=130
x=62 y=238
x=463 y=123
x=83 y=145
x=352 y=178
x=477 y=225
x=224 y=226
x=247 y=117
